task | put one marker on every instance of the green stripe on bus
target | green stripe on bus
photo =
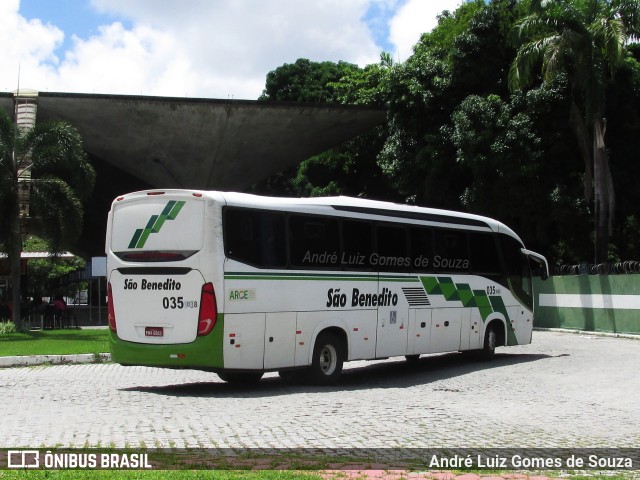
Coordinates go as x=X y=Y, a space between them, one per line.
x=462 y=293
x=147 y=231
x=316 y=277
x=483 y=303
x=466 y=295
x=155 y=223
x=176 y=210
x=136 y=237
x=298 y=277
x=163 y=216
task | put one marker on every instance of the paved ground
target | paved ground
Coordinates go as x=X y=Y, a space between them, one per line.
x=563 y=390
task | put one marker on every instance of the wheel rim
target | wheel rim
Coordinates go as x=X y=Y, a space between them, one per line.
x=328 y=359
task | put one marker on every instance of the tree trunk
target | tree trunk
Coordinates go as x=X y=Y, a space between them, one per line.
x=15 y=252
x=586 y=150
x=604 y=192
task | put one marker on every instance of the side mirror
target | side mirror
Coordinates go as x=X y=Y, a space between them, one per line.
x=540 y=260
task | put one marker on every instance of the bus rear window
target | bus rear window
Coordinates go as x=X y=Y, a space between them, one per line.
x=164 y=228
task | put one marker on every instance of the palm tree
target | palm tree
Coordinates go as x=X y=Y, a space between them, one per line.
x=586 y=41
x=47 y=165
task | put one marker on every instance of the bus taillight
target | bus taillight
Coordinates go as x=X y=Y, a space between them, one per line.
x=208 y=309
x=111 y=310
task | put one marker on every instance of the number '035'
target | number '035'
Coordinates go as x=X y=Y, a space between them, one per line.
x=172 y=302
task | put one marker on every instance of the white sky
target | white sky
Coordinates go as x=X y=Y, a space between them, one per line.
x=195 y=48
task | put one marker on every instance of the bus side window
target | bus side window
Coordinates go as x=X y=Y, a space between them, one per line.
x=314 y=242
x=421 y=249
x=357 y=244
x=451 y=251
x=255 y=237
x=391 y=249
x=485 y=260
x=517 y=270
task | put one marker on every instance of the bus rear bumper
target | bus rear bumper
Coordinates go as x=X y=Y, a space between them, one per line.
x=204 y=353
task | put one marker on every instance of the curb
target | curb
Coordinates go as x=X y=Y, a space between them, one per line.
x=34 y=360
x=630 y=336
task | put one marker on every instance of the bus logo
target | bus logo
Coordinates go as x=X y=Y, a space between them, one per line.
x=237 y=294
x=23 y=459
x=155 y=223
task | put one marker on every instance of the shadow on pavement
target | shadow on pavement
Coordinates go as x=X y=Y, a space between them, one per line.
x=379 y=374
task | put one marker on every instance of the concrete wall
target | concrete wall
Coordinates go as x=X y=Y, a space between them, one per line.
x=601 y=303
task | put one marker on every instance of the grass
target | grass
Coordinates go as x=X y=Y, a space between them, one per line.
x=54 y=342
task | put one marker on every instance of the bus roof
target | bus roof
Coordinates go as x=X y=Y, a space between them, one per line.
x=358 y=207
x=369 y=207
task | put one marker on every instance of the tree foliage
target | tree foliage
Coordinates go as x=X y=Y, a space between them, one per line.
x=43 y=271
x=305 y=81
x=48 y=164
x=586 y=41
x=485 y=116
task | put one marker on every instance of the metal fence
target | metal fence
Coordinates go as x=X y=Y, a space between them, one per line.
x=617 y=268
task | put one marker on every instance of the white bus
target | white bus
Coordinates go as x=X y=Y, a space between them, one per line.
x=241 y=284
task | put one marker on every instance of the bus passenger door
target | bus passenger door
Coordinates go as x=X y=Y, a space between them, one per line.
x=280 y=340
x=393 y=323
x=521 y=325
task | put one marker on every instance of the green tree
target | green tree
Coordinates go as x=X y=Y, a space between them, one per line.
x=305 y=81
x=623 y=143
x=366 y=86
x=587 y=41
x=49 y=165
x=350 y=168
x=522 y=161
x=43 y=271
x=466 y=54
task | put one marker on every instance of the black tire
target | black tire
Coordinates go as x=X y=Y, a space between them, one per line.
x=412 y=358
x=328 y=358
x=490 y=343
x=241 y=378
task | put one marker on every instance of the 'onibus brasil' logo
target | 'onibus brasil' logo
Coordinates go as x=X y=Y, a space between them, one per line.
x=155 y=223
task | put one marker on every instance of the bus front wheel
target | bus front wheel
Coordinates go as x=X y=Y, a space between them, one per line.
x=328 y=358
x=490 y=343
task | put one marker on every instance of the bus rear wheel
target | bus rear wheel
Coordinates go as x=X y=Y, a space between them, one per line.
x=328 y=358
x=240 y=378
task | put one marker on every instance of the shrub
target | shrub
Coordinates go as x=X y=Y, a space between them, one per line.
x=7 y=327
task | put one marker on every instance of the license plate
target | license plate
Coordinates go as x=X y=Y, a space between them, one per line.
x=153 y=332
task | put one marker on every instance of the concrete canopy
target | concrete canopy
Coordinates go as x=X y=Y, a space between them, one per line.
x=202 y=143
x=138 y=142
